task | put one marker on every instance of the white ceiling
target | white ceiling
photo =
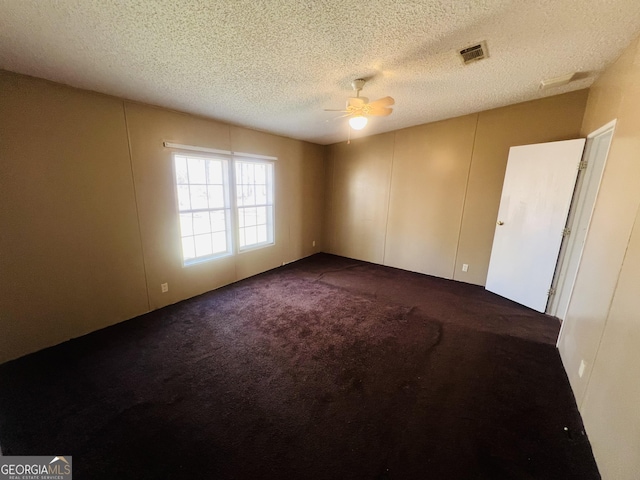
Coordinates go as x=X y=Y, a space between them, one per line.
x=274 y=65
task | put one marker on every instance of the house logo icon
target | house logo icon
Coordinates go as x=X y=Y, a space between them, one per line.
x=36 y=467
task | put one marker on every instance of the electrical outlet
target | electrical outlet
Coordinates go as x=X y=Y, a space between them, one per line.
x=465 y=267
x=313 y=244
x=164 y=287
x=581 y=369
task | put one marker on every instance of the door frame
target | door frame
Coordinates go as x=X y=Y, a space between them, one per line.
x=573 y=245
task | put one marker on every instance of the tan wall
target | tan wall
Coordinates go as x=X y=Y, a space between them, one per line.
x=359 y=196
x=602 y=326
x=547 y=120
x=70 y=251
x=426 y=198
x=86 y=227
x=299 y=199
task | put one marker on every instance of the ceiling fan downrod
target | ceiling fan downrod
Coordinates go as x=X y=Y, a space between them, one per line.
x=357 y=85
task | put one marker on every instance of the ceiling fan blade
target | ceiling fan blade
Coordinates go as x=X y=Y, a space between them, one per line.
x=339 y=117
x=356 y=102
x=382 y=102
x=334 y=110
x=380 y=111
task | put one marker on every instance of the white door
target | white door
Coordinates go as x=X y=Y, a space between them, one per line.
x=536 y=196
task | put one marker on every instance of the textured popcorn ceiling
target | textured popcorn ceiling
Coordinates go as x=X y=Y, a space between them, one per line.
x=274 y=65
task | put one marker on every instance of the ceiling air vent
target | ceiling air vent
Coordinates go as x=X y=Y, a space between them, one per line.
x=557 y=81
x=474 y=53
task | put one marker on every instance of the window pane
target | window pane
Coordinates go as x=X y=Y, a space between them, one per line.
x=201 y=223
x=219 y=242
x=250 y=235
x=261 y=194
x=269 y=183
x=244 y=173
x=188 y=249
x=186 y=224
x=215 y=172
x=239 y=199
x=183 y=198
x=248 y=194
x=203 y=245
x=241 y=238
x=182 y=176
x=197 y=171
x=262 y=233
x=242 y=194
x=247 y=173
x=261 y=215
x=260 y=173
x=216 y=196
x=199 y=197
x=218 y=221
x=249 y=217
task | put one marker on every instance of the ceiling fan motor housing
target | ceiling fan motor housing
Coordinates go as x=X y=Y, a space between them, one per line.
x=358 y=83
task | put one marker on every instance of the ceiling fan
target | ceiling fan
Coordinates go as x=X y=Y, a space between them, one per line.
x=359 y=108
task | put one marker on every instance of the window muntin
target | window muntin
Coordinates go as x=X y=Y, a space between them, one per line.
x=204 y=208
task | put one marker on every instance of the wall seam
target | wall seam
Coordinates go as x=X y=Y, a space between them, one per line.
x=386 y=224
x=323 y=226
x=135 y=197
x=464 y=198
x=332 y=230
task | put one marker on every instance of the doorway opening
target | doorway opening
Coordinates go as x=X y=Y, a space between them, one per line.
x=579 y=219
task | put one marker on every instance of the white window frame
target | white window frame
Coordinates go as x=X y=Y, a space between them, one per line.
x=268 y=204
x=227 y=207
x=232 y=201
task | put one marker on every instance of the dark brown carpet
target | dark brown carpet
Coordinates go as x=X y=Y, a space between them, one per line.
x=327 y=368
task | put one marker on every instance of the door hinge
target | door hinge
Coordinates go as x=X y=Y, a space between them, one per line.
x=551 y=291
x=566 y=231
x=582 y=165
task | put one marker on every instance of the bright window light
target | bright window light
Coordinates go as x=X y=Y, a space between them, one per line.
x=254 y=192
x=221 y=213
x=204 y=206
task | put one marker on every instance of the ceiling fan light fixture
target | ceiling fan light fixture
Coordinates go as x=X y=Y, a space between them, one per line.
x=358 y=122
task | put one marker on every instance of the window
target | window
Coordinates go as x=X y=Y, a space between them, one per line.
x=203 y=203
x=211 y=201
x=254 y=190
